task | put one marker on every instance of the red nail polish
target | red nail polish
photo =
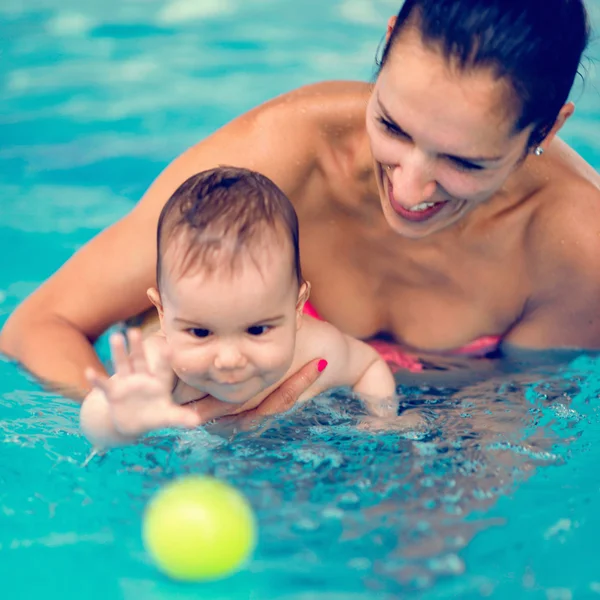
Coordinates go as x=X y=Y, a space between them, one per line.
x=321 y=366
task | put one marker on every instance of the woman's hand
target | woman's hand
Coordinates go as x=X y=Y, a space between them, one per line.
x=279 y=401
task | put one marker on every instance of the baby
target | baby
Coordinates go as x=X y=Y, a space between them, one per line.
x=230 y=297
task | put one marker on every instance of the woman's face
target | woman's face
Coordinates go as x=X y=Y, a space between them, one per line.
x=442 y=140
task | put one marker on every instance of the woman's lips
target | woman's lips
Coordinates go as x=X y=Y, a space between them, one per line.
x=416 y=216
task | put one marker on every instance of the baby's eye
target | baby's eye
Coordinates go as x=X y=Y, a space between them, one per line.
x=199 y=332
x=258 y=329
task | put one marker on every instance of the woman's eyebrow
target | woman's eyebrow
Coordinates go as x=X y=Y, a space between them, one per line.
x=468 y=159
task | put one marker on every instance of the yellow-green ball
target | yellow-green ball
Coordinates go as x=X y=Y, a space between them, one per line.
x=198 y=529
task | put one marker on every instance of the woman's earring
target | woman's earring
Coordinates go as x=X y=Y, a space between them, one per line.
x=538 y=151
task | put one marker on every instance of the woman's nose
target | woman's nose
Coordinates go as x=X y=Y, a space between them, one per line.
x=412 y=182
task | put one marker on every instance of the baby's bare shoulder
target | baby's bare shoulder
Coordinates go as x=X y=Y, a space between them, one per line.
x=346 y=357
x=318 y=339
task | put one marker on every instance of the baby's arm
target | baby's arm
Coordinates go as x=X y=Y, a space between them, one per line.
x=378 y=390
x=375 y=382
x=354 y=363
x=361 y=367
x=137 y=398
x=350 y=362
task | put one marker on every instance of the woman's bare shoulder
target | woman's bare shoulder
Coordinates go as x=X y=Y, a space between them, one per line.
x=325 y=91
x=332 y=105
x=569 y=201
x=327 y=104
x=564 y=233
x=282 y=138
x=572 y=167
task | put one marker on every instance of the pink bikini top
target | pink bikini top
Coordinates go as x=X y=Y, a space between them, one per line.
x=404 y=360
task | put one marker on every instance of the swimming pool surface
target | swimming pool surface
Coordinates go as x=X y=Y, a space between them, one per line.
x=97 y=98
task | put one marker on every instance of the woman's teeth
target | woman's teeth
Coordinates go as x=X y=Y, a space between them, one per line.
x=421 y=206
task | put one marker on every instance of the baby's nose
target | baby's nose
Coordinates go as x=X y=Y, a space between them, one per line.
x=229 y=357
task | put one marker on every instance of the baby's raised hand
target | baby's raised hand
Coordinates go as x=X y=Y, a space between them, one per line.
x=139 y=397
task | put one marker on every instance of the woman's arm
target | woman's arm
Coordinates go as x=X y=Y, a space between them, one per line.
x=51 y=333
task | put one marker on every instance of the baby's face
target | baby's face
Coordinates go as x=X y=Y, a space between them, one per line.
x=233 y=335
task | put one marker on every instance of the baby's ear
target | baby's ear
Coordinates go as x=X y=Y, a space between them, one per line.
x=154 y=297
x=303 y=295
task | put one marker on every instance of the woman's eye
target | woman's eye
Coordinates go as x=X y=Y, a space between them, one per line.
x=391 y=128
x=459 y=165
x=199 y=333
x=258 y=329
x=463 y=166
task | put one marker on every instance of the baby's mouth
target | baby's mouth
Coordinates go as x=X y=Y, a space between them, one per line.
x=229 y=382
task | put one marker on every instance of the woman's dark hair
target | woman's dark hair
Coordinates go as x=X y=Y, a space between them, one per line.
x=535 y=44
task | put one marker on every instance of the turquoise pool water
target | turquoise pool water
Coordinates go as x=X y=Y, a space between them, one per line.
x=97 y=97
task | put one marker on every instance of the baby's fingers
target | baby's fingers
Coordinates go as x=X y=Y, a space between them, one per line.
x=137 y=354
x=119 y=354
x=162 y=367
x=182 y=417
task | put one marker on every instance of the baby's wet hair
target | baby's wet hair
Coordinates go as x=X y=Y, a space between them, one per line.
x=222 y=215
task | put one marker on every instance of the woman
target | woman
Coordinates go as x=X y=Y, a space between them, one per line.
x=436 y=206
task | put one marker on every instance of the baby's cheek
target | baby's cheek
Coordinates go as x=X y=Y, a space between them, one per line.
x=277 y=359
x=184 y=361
